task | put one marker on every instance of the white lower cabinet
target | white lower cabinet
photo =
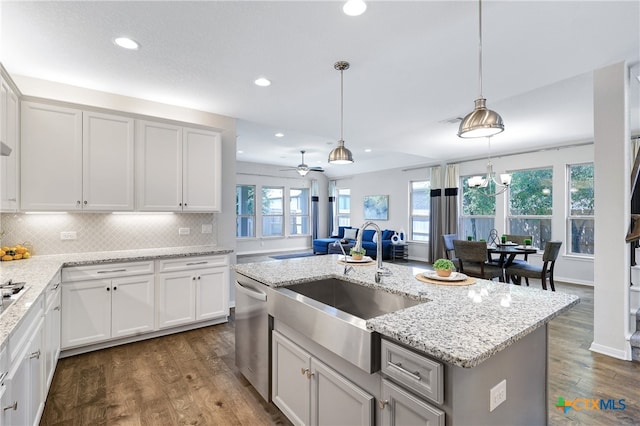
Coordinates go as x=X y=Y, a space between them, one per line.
x=310 y=393
x=191 y=290
x=95 y=310
x=24 y=394
x=52 y=321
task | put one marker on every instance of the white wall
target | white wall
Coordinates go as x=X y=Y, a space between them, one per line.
x=395 y=184
x=267 y=175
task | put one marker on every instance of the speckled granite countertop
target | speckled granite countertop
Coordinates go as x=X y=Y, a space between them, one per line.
x=460 y=325
x=38 y=271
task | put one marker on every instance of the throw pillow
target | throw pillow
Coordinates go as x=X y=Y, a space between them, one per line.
x=350 y=234
x=375 y=237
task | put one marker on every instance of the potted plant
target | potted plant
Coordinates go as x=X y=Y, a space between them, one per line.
x=527 y=242
x=357 y=254
x=443 y=267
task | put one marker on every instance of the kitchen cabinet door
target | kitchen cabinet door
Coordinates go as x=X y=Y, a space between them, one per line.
x=403 y=408
x=158 y=166
x=211 y=293
x=201 y=170
x=86 y=313
x=336 y=400
x=291 y=369
x=9 y=124
x=52 y=332
x=51 y=157
x=132 y=305
x=176 y=298
x=107 y=166
x=37 y=388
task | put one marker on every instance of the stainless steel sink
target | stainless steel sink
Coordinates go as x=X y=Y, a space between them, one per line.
x=333 y=313
x=358 y=300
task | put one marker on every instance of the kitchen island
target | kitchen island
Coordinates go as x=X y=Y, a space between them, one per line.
x=484 y=337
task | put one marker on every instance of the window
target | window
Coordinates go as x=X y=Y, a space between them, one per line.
x=478 y=210
x=344 y=207
x=299 y=211
x=245 y=211
x=580 y=198
x=530 y=204
x=272 y=211
x=420 y=195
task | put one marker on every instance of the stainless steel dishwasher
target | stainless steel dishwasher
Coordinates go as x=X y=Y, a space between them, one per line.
x=252 y=333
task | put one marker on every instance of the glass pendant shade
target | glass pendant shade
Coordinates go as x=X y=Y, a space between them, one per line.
x=303 y=171
x=481 y=122
x=340 y=154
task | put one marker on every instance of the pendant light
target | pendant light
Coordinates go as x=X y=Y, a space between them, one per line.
x=340 y=154
x=481 y=122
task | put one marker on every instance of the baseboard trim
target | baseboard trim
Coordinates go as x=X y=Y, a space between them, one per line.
x=624 y=354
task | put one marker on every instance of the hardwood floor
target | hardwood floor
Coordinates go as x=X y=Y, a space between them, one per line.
x=191 y=379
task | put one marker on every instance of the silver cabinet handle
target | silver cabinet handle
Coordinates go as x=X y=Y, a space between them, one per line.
x=57 y=308
x=35 y=355
x=414 y=375
x=13 y=407
x=197 y=263
x=383 y=404
x=2 y=376
x=307 y=372
x=111 y=271
x=55 y=287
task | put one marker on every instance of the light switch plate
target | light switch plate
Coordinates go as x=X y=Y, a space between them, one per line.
x=497 y=395
x=68 y=235
x=207 y=228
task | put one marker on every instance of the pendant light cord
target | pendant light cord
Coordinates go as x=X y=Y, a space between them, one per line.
x=341 y=103
x=480 y=45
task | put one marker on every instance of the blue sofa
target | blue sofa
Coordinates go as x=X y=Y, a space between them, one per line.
x=321 y=245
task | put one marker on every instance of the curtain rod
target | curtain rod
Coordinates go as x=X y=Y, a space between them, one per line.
x=274 y=176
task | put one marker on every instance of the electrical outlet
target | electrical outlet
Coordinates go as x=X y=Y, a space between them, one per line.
x=497 y=395
x=184 y=231
x=207 y=228
x=68 y=235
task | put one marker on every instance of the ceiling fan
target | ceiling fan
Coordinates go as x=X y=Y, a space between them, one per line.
x=303 y=169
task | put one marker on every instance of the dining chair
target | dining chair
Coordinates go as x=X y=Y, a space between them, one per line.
x=527 y=270
x=449 y=251
x=472 y=260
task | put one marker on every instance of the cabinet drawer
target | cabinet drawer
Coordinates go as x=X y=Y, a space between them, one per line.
x=106 y=270
x=418 y=373
x=184 y=263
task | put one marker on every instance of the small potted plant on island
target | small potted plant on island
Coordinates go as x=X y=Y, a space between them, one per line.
x=357 y=254
x=443 y=267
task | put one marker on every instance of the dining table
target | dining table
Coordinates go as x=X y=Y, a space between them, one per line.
x=508 y=252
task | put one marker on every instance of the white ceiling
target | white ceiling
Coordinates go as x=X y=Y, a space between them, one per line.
x=414 y=65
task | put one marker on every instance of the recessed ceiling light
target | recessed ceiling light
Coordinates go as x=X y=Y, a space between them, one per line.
x=240 y=151
x=262 y=82
x=279 y=135
x=367 y=150
x=126 y=43
x=354 y=7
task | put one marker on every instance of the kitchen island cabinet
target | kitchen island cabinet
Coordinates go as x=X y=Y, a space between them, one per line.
x=442 y=359
x=310 y=392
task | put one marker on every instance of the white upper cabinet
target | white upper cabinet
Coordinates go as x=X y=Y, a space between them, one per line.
x=107 y=166
x=202 y=170
x=51 y=157
x=9 y=124
x=74 y=160
x=158 y=166
x=177 y=168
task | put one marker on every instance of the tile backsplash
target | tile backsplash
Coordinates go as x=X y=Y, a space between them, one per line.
x=106 y=231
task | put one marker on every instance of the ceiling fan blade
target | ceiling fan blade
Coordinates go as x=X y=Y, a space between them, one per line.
x=316 y=169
